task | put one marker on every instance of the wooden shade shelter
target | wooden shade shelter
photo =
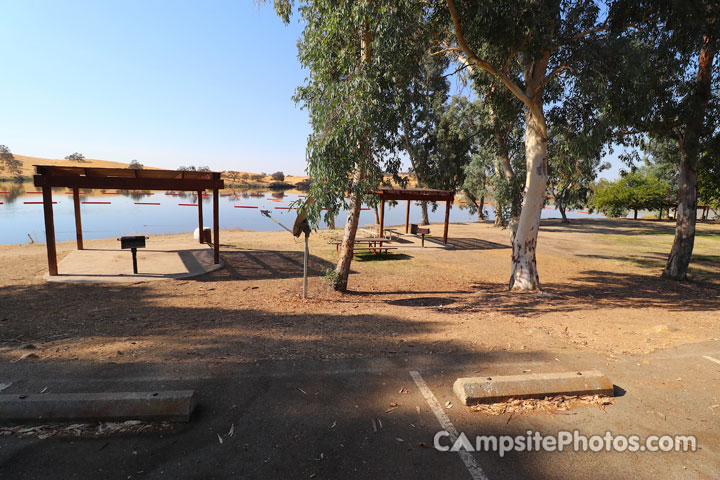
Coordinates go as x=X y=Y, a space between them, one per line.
x=419 y=194
x=76 y=178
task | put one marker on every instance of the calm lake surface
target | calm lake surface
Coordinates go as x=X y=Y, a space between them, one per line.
x=136 y=213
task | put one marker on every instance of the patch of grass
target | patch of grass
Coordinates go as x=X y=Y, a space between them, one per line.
x=706 y=258
x=381 y=257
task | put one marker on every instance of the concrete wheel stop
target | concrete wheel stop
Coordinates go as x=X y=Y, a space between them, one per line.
x=474 y=390
x=167 y=406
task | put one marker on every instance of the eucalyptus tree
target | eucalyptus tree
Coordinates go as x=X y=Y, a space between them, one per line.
x=529 y=47
x=500 y=116
x=441 y=134
x=421 y=102
x=669 y=67
x=578 y=142
x=356 y=54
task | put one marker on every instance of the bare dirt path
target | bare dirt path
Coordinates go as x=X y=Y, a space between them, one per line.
x=601 y=293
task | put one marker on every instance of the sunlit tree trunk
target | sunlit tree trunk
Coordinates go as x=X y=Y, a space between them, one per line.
x=524 y=273
x=681 y=252
x=563 y=214
x=425 y=216
x=342 y=269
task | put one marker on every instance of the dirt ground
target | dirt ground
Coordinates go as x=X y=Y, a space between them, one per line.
x=601 y=292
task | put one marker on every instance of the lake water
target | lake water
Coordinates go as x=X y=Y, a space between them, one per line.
x=118 y=213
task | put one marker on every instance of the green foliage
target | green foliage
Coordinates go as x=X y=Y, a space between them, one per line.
x=478 y=178
x=136 y=165
x=662 y=157
x=331 y=277
x=651 y=85
x=709 y=182
x=278 y=176
x=636 y=190
x=516 y=37
x=350 y=92
x=10 y=163
x=574 y=162
x=76 y=157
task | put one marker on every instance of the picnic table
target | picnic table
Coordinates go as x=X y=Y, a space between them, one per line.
x=374 y=245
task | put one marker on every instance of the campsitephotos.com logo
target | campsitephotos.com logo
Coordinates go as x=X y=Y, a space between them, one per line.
x=564 y=440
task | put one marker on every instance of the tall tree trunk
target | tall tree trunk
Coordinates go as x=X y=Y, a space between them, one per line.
x=507 y=170
x=377 y=215
x=681 y=252
x=498 y=216
x=342 y=270
x=524 y=273
x=503 y=167
x=481 y=215
x=420 y=182
x=561 y=207
x=425 y=217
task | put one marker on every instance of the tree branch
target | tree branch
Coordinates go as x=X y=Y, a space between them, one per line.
x=466 y=65
x=472 y=56
x=445 y=50
x=549 y=77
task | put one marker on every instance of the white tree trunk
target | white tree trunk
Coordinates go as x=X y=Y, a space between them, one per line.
x=524 y=274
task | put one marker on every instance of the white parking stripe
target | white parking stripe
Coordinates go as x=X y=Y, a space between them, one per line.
x=473 y=467
x=711 y=359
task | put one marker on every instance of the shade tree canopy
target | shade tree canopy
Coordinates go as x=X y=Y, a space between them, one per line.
x=664 y=86
x=635 y=191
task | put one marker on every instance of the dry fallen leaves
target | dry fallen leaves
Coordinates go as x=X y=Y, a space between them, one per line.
x=86 y=430
x=554 y=404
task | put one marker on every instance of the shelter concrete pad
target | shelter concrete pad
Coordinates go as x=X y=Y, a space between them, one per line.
x=171 y=259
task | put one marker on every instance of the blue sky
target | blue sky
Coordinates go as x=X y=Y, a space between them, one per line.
x=169 y=83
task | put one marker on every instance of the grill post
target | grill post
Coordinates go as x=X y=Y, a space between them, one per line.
x=134 y=254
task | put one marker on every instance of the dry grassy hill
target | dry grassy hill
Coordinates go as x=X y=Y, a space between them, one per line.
x=28 y=170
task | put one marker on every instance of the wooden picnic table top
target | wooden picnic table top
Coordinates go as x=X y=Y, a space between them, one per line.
x=365 y=240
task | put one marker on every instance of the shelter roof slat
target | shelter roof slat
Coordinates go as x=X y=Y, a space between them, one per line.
x=427 y=194
x=126 y=178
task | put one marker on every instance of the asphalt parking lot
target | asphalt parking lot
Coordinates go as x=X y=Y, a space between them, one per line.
x=373 y=418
